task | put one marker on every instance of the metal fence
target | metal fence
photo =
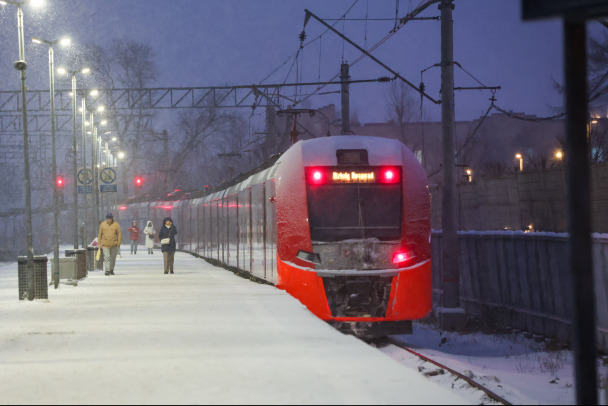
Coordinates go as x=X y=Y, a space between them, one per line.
x=522 y=280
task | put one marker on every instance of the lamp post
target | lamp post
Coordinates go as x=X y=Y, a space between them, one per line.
x=20 y=65
x=521 y=162
x=64 y=42
x=469 y=175
x=94 y=144
x=84 y=160
x=74 y=147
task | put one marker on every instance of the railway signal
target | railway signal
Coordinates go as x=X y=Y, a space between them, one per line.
x=60 y=182
x=139 y=181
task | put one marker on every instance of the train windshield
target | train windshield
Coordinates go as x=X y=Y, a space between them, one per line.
x=353 y=211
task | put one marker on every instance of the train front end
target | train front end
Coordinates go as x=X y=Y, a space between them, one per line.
x=353 y=232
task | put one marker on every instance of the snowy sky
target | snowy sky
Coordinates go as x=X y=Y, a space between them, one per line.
x=232 y=42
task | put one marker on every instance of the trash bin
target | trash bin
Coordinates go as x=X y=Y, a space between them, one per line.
x=68 y=268
x=41 y=288
x=81 y=259
x=91 y=252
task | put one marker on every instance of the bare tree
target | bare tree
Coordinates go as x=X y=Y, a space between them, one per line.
x=401 y=105
x=194 y=129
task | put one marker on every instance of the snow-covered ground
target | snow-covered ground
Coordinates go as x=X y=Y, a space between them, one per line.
x=203 y=335
x=518 y=368
x=207 y=336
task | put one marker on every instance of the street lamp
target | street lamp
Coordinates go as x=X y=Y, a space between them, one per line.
x=64 y=42
x=521 y=162
x=20 y=65
x=94 y=145
x=84 y=110
x=74 y=146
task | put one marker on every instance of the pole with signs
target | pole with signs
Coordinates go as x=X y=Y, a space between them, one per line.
x=578 y=172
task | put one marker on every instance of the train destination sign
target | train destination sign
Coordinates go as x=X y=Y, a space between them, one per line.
x=341 y=175
x=353 y=177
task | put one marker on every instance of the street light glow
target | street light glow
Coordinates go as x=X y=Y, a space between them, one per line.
x=94 y=92
x=62 y=71
x=103 y=123
x=518 y=156
x=37 y=3
x=36 y=41
x=86 y=70
x=65 y=42
x=101 y=108
x=121 y=155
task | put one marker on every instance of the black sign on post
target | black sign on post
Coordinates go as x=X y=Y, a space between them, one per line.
x=575 y=9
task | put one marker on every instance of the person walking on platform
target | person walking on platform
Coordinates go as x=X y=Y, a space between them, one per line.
x=110 y=238
x=149 y=232
x=134 y=237
x=167 y=240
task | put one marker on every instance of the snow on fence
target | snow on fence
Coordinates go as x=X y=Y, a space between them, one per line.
x=522 y=280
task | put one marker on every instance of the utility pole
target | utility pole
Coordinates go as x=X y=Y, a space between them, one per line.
x=451 y=315
x=345 y=93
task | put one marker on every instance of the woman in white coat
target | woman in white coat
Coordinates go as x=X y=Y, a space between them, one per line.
x=149 y=233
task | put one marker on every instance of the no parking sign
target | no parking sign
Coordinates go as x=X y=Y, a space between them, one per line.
x=107 y=180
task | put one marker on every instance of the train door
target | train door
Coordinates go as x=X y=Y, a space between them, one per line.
x=244 y=257
x=232 y=237
x=258 y=257
x=271 y=230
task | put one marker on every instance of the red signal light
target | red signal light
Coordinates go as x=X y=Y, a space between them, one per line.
x=139 y=181
x=59 y=181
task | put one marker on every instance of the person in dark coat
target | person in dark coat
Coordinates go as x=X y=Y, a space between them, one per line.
x=166 y=235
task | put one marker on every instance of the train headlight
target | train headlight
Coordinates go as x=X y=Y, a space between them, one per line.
x=309 y=256
x=403 y=256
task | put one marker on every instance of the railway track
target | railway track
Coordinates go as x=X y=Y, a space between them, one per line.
x=439 y=369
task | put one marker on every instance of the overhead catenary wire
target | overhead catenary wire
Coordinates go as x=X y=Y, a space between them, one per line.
x=368 y=52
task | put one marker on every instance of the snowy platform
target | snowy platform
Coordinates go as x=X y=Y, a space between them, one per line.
x=202 y=335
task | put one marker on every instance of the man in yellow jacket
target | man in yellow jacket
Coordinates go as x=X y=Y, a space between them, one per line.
x=110 y=238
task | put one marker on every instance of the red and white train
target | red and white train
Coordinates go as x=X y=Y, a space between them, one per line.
x=342 y=223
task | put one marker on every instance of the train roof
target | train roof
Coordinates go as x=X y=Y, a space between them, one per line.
x=380 y=151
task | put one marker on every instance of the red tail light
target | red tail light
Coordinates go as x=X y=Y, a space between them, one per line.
x=389 y=175
x=316 y=176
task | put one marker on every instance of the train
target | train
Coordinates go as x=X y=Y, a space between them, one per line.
x=341 y=223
